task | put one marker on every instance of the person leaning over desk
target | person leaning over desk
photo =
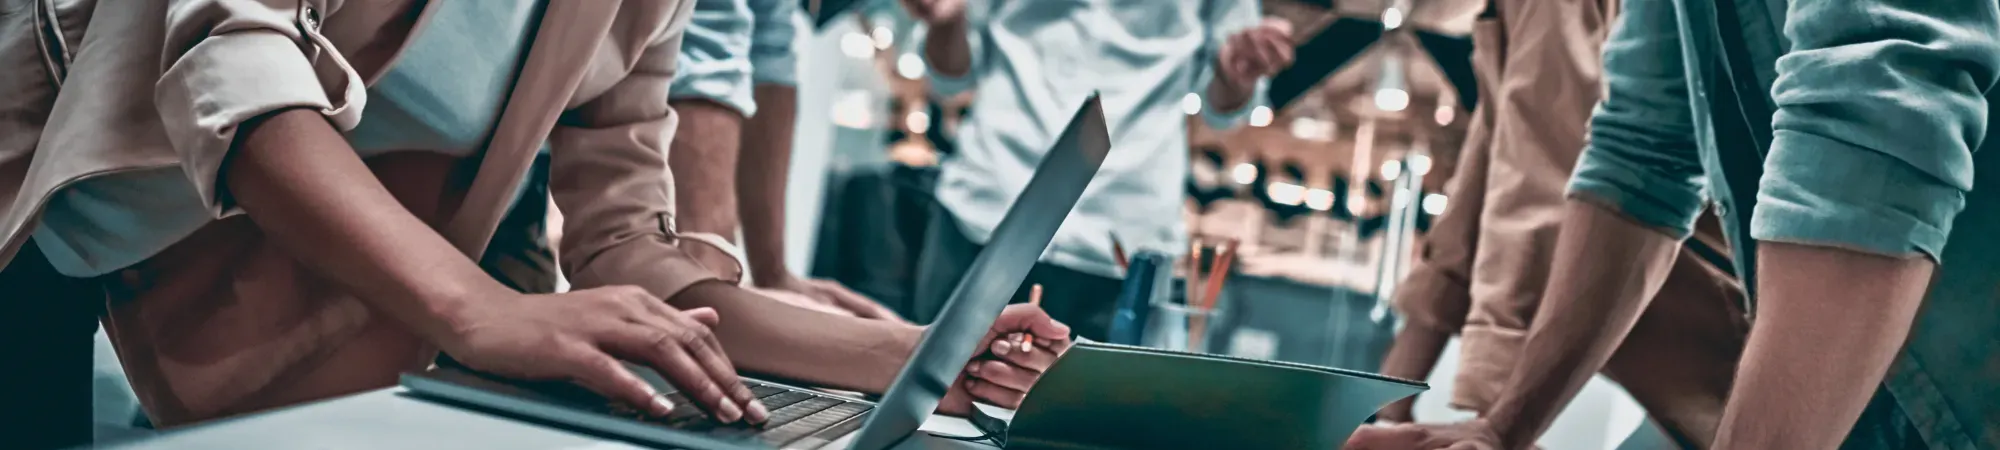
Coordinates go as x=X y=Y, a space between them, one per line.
x=1485 y=262
x=737 y=94
x=1873 y=114
x=1029 y=64
x=277 y=205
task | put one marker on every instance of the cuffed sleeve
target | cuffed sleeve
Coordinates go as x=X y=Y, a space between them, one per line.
x=774 y=25
x=608 y=175
x=947 y=86
x=1225 y=17
x=1641 y=159
x=1879 y=104
x=714 y=59
x=229 y=61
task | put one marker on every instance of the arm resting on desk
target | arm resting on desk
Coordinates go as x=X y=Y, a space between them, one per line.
x=769 y=337
x=1608 y=269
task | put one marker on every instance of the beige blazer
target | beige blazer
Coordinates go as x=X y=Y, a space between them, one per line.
x=223 y=323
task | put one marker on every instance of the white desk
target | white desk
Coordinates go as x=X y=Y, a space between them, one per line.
x=391 y=419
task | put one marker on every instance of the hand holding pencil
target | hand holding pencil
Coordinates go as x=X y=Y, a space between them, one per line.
x=1008 y=363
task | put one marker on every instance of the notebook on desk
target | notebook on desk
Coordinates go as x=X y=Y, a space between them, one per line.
x=806 y=419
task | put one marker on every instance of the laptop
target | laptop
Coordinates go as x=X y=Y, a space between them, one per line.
x=807 y=419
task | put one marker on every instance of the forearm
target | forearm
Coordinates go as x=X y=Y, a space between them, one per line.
x=769 y=337
x=761 y=180
x=311 y=195
x=1412 y=356
x=1829 y=323
x=1230 y=95
x=703 y=163
x=948 y=49
x=1607 y=268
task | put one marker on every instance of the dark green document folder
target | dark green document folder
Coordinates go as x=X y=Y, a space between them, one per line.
x=1105 y=396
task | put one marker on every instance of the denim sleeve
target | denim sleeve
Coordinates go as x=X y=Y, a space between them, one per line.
x=714 y=60
x=1641 y=159
x=976 y=15
x=1879 y=104
x=1223 y=18
x=773 y=26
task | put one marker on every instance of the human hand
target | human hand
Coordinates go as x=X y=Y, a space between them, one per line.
x=831 y=295
x=1254 y=53
x=1004 y=370
x=935 y=12
x=581 y=336
x=1473 y=435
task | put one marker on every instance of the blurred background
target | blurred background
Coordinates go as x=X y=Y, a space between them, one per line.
x=1327 y=195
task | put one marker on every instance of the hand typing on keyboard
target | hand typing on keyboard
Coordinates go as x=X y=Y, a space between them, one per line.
x=1001 y=373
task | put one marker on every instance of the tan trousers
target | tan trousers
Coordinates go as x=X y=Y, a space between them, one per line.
x=1485 y=263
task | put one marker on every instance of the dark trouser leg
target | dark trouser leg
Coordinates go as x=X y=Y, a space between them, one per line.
x=946 y=256
x=1083 y=301
x=47 y=322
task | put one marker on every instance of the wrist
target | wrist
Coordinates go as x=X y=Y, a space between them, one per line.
x=448 y=309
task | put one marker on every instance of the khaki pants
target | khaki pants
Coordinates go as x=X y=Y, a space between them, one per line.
x=1483 y=267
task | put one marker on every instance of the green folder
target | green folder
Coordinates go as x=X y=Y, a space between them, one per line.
x=1107 y=396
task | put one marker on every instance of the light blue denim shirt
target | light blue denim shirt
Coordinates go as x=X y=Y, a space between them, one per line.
x=733 y=45
x=444 y=94
x=1034 y=63
x=1877 y=107
x=1879 y=104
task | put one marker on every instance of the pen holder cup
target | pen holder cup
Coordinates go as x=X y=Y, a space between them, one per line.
x=1183 y=328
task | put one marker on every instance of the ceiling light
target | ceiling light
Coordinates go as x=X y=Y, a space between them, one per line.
x=910 y=66
x=1319 y=199
x=1244 y=173
x=1260 y=116
x=1392 y=169
x=1286 y=193
x=1392 y=18
x=856 y=45
x=1434 y=204
x=1420 y=164
x=1392 y=99
x=883 y=37
x=918 y=122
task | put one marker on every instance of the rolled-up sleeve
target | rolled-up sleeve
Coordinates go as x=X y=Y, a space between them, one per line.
x=1641 y=159
x=774 y=25
x=1225 y=17
x=229 y=61
x=1879 y=104
x=608 y=175
x=714 y=59
x=947 y=86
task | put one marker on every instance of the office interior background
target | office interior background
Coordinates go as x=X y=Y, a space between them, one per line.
x=1327 y=196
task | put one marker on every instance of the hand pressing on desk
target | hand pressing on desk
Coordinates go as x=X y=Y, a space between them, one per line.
x=1003 y=370
x=580 y=336
x=826 y=295
x=1473 y=435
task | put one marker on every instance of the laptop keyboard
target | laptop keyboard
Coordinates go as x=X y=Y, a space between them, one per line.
x=799 y=419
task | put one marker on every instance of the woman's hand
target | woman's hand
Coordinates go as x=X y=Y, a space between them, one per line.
x=581 y=336
x=1004 y=370
x=1473 y=435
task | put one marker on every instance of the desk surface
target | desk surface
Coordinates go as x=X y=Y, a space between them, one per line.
x=390 y=419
